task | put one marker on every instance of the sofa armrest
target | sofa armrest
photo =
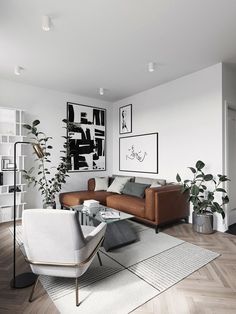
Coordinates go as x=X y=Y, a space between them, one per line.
x=170 y=205
x=165 y=203
x=91 y=184
x=150 y=205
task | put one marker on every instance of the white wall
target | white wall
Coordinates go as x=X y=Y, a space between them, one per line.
x=50 y=108
x=187 y=114
x=229 y=143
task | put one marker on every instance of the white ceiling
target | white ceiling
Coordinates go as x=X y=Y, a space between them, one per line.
x=107 y=43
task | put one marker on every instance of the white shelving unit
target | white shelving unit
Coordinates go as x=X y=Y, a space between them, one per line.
x=11 y=121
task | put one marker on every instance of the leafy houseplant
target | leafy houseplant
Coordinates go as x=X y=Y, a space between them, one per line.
x=203 y=189
x=48 y=179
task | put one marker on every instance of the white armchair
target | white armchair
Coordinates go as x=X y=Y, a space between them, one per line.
x=57 y=245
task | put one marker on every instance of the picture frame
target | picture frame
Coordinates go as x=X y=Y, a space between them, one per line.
x=139 y=153
x=125 y=119
x=86 y=129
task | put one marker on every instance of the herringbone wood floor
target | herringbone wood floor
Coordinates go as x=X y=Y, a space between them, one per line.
x=211 y=290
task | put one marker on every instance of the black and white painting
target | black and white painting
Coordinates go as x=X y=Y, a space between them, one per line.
x=139 y=153
x=125 y=119
x=87 y=143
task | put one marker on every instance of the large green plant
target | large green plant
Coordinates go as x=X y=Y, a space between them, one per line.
x=49 y=179
x=203 y=189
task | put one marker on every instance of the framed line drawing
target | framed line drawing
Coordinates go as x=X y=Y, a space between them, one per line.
x=86 y=128
x=125 y=119
x=139 y=153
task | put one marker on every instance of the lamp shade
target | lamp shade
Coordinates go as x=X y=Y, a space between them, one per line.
x=38 y=150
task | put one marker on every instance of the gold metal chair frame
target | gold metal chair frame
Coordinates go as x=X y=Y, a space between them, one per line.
x=56 y=264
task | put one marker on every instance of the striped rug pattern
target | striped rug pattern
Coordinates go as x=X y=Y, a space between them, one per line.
x=166 y=269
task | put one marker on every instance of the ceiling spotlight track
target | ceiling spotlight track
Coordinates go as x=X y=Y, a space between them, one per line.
x=46 y=23
x=18 y=69
x=151 y=66
x=101 y=91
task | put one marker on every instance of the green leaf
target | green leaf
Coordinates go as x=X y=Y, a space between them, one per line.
x=35 y=122
x=200 y=164
x=221 y=190
x=195 y=190
x=225 y=199
x=192 y=169
x=27 y=126
x=178 y=179
x=200 y=176
x=208 y=177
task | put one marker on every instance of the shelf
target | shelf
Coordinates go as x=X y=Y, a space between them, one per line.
x=10 y=206
x=8 y=185
x=12 y=193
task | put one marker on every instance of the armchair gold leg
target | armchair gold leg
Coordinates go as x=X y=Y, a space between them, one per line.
x=77 y=291
x=33 y=289
x=99 y=258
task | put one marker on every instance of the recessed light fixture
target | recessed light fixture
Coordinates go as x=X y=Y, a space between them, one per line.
x=46 y=23
x=18 y=69
x=151 y=66
x=101 y=91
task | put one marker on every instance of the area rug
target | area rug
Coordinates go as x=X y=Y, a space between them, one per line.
x=130 y=276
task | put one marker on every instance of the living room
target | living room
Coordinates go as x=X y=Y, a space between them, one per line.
x=185 y=99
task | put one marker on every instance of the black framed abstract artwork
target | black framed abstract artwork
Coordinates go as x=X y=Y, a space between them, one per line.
x=125 y=119
x=86 y=129
x=139 y=153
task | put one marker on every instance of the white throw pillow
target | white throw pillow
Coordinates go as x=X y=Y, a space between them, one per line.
x=101 y=184
x=118 y=184
x=155 y=184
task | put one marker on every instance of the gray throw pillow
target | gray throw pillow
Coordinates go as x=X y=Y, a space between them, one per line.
x=135 y=189
x=118 y=184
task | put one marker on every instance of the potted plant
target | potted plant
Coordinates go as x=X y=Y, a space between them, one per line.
x=203 y=189
x=48 y=179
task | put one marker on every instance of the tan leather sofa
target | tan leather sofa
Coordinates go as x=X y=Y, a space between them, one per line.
x=160 y=205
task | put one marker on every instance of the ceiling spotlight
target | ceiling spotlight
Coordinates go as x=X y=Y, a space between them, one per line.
x=18 y=69
x=101 y=91
x=151 y=66
x=46 y=23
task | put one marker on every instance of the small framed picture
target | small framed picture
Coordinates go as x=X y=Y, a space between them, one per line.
x=125 y=119
x=5 y=163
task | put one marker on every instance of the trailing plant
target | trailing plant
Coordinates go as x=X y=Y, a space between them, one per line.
x=49 y=179
x=203 y=189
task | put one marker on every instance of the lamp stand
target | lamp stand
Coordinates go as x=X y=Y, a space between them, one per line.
x=26 y=279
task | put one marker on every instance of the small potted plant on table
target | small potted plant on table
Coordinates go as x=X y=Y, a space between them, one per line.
x=203 y=189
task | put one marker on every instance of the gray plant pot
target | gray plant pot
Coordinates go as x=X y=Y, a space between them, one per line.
x=203 y=223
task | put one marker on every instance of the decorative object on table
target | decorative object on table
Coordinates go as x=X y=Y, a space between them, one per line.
x=139 y=153
x=203 y=189
x=5 y=163
x=125 y=119
x=86 y=129
x=49 y=184
x=26 y=279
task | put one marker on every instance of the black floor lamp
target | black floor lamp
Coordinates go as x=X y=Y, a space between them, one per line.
x=26 y=279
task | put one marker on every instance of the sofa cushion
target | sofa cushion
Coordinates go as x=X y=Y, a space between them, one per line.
x=101 y=183
x=77 y=198
x=126 y=203
x=135 y=189
x=131 y=179
x=118 y=184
